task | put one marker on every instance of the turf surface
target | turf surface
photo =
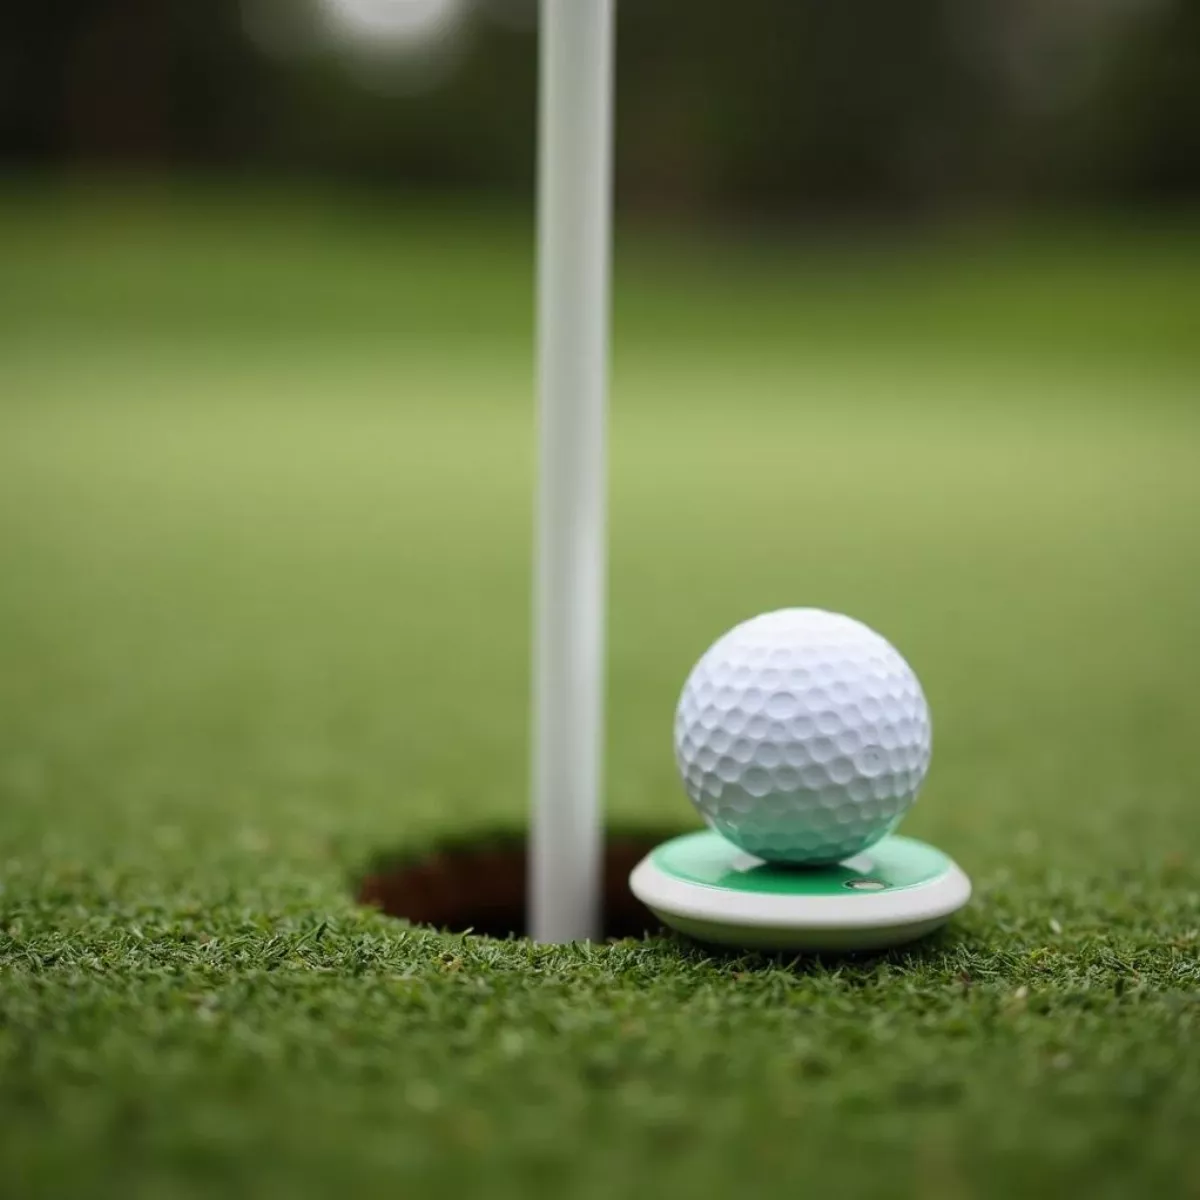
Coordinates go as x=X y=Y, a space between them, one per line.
x=265 y=503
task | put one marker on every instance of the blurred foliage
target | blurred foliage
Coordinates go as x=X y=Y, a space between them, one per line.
x=772 y=106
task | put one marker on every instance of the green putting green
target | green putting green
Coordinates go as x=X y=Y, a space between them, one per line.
x=265 y=514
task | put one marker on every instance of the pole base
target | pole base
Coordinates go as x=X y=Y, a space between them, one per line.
x=895 y=892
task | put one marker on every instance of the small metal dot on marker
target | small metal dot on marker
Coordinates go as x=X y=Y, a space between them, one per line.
x=865 y=885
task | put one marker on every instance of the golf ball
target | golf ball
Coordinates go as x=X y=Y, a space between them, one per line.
x=802 y=736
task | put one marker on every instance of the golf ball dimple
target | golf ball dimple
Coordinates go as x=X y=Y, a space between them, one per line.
x=802 y=736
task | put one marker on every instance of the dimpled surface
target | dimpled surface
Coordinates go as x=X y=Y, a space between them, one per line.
x=802 y=736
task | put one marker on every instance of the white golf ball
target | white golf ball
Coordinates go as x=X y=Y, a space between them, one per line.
x=802 y=736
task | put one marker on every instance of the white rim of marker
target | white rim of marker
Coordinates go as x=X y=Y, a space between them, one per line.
x=864 y=910
x=574 y=232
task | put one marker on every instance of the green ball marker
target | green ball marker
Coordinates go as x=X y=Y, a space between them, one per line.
x=894 y=892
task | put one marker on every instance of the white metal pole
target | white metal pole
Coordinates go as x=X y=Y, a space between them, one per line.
x=574 y=222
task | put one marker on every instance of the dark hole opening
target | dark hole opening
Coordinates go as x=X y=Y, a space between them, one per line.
x=478 y=884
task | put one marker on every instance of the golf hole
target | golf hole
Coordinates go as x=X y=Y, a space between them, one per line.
x=478 y=886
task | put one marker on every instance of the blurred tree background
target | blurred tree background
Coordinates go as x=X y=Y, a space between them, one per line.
x=778 y=108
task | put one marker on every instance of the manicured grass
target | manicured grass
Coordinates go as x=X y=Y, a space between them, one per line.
x=265 y=511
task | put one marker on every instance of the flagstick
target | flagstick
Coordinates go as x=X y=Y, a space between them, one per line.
x=574 y=218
